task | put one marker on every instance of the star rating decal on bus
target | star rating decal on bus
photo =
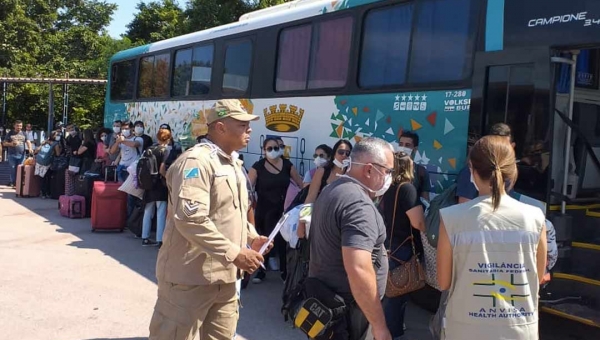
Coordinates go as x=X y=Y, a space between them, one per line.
x=442 y=132
x=411 y=102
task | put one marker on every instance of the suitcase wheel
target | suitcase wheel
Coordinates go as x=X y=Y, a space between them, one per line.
x=121 y=230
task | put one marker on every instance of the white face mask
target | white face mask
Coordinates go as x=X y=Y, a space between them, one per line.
x=273 y=154
x=126 y=133
x=139 y=130
x=386 y=185
x=116 y=129
x=57 y=138
x=473 y=181
x=406 y=150
x=320 y=162
x=67 y=134
x=103 y=138
x=387 y=182
x=343 y=164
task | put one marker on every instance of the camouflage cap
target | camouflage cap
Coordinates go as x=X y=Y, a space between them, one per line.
x=231 y=108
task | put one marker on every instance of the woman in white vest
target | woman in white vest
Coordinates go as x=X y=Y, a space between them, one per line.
x=491 y=253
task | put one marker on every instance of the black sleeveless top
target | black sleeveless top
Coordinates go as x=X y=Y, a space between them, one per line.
x=272 y=188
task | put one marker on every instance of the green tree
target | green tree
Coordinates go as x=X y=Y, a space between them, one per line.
x=52 y=38
x=155 y=21
x=203 y=14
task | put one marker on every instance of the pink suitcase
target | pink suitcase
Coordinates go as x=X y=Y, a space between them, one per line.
x=109 y=207
x=28 y=185
x=71 y=206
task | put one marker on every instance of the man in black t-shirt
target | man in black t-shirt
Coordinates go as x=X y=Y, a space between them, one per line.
x=139 y=132
x=347 y=236
x=409 y=143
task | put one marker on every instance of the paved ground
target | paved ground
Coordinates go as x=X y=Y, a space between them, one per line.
x=61 y=281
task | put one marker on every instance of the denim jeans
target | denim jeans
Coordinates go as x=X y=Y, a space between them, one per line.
x=14 y=161
x=394 y=308
x=161 y=219
x=122 y=173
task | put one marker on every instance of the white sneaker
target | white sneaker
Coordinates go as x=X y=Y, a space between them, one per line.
x=274 y=264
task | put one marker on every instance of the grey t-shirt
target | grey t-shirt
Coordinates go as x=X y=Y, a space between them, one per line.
x=19 y=138
x=345 y=216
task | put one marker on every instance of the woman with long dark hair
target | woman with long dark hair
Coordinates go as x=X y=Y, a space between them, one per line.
x=322 y=158
x=102 y=154
x=491 y=253
x=336 y=167
x=87 y=150
x=403 y=215
x=271 y=177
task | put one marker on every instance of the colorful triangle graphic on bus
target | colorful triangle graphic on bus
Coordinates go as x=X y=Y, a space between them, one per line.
x=432 y=118
x=448 y=127
x=414 y=125
x=452 y=162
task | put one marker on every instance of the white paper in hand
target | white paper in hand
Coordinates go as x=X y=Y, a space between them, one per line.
x=274 y=233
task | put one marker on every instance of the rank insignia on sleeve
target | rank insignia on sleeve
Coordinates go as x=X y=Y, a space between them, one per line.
x=190 y=208
x=191 y=173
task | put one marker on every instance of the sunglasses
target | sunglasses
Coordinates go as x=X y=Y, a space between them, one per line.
x=320 y=155
x=272 y=148
x=343 y=153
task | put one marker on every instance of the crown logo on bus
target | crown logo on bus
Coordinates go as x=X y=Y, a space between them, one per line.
x=283 y=117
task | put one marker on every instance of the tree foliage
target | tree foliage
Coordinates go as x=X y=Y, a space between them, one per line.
x=156 y=21
x=56 y=38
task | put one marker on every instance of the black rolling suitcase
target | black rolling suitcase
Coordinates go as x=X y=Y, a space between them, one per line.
x=57 y=183
x=84 y=186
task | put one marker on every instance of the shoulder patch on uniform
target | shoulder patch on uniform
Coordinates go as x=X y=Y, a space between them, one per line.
x=190 y=208
x=191 y=173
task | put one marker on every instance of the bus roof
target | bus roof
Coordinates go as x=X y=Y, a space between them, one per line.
x=294 y=10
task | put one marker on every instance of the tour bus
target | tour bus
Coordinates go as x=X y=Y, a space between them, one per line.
x=317 y=71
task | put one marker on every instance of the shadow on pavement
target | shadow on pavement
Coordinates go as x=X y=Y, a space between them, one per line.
x=123 y=247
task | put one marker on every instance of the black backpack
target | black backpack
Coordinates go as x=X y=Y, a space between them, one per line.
x=147 y=170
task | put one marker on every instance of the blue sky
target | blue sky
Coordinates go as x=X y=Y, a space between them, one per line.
x=122 y=16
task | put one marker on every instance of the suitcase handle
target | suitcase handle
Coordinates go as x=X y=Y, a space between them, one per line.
x=106 y=172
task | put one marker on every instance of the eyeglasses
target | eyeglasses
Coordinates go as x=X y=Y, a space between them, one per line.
x=320 y=155
x=343 y=153
x=272 y=148
x=387 y=171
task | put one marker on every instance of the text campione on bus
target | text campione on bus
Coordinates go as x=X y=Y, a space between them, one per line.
x=317 y=71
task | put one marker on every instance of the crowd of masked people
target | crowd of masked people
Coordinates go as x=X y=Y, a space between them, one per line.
x=402 y=202
x=364 y=250
x=69 y=153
